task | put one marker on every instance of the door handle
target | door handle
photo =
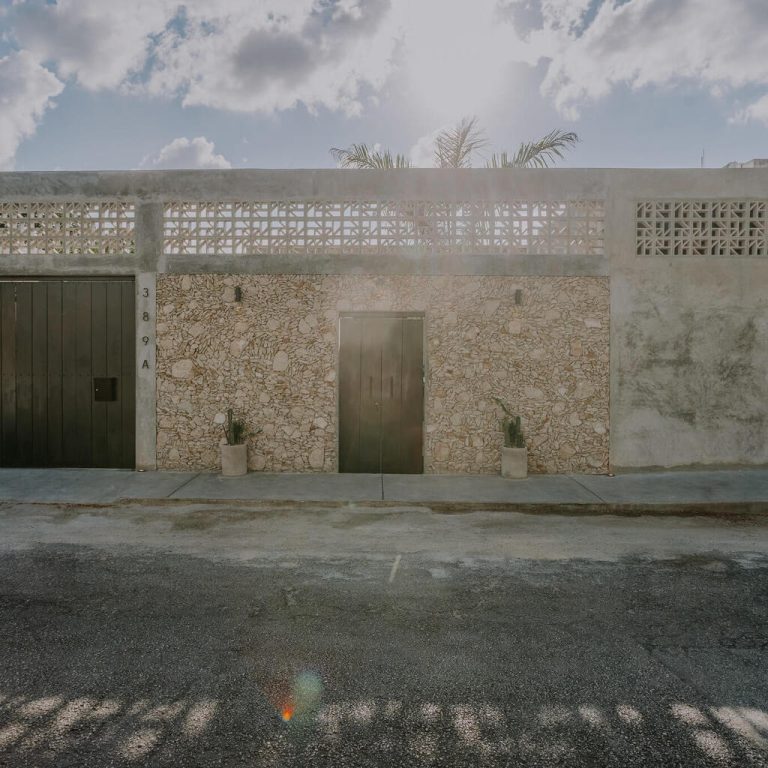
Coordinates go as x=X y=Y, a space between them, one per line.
x=391 y=387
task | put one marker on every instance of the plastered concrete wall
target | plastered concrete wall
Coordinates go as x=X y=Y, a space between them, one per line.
x=273 y=358
x=690 y=352
x=689 y=335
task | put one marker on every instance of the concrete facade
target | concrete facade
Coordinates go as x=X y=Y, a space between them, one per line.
x=688 y=371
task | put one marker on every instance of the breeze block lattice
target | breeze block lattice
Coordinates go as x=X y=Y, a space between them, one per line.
x=98 y=228
x=702 y=228
x=376 y=227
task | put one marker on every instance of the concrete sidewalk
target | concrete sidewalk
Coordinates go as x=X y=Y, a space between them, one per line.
x=739 y=490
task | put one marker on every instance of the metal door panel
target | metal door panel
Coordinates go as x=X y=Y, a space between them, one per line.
x=127 y=385
x=24 y=374
x=55 y=376
x=83 y=324
x=8 y=373
x=391 y=396
x=99 y=451
x=56 y=335
x=380 y=392
x=350 y=336
x=369 y=447
x=69 y=436
x=412 y=456
x=39 y=351
x=113 y=370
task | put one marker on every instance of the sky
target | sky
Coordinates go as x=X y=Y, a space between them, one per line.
x=148 y=84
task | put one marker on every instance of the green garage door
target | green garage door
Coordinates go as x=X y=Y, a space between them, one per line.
x=67 y=367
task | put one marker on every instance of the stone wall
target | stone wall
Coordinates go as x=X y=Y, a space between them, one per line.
x=272 y=357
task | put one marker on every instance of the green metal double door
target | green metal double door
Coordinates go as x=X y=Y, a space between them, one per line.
x=67 y=372
x=381 y=392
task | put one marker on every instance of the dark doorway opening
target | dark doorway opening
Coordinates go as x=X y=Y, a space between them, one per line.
x=67 y=372
x=381 y=392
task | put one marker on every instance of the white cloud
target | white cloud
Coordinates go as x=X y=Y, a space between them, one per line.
x=241 y=56
x=651 y=43
x=26 y=91
x=456 y=58
x=100 y=43
x=422 y=153
x=244 y=55
x=757 y=111
x=187 y=153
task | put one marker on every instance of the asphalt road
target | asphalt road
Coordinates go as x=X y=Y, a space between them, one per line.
x=181 y=637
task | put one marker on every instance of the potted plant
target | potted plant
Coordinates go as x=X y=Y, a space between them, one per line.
x=234 y=453
x=514 y=454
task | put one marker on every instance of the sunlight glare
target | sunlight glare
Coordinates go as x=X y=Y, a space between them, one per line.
x=732 y=718
x=628 y=714
x=591 y=715
x=198 y=717
x=712 y=745
x=40 y=707
x=689 y=715
x=140 y=743
x=11 y=733
x=455 y=59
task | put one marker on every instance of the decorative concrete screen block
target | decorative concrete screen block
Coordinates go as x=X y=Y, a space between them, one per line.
x=31 y=229
x=374 y=227
x=273 y=358
x=728 y=228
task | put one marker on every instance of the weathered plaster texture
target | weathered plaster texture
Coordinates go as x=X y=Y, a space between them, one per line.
x=272 y=357
x=691 y=358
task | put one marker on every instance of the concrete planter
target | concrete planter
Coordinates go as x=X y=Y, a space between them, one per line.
x=514 y=462
x=234 y=460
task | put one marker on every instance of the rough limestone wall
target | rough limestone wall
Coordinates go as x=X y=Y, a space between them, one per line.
x=272 y=357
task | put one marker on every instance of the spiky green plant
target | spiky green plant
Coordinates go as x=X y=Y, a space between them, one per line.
x=511 y=427
x=235 y=430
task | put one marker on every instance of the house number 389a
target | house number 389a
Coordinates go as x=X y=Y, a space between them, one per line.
x=145 y=318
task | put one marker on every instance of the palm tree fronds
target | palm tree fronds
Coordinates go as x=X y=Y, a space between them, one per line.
x=454 y=146
x=362 y=156
x=502 y=160
x=537 y=154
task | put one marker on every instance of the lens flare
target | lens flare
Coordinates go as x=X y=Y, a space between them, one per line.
x=302 y=703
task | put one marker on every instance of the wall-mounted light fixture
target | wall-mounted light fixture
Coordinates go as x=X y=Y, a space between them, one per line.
x=519 y=296
x=238 y=293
